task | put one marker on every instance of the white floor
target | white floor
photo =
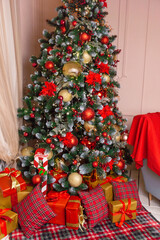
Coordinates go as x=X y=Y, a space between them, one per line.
x=154 y=206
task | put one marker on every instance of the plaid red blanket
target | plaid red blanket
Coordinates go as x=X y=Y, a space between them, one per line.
x=145 y=226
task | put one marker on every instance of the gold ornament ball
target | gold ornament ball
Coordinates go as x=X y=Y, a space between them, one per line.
x=72 y=69
x=88 y=127
x=107 y=78
x=75 y=179
x=86 y=57
x=50 y=155
x=66 y=95
x=27 y=152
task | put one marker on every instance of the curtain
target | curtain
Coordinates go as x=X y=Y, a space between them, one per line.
x=10 y=78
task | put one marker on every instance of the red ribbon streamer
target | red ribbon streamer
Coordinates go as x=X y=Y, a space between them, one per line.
x=3 y=220
x=124 y=212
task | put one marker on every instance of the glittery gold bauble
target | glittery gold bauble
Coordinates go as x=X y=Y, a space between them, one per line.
x=66 y=95
x=116 y=127
x=50 y=155
x=75 y=179
x=107 y=78
x=27 y=152
x=72 y=69
x=86 y=57
x=88 y=127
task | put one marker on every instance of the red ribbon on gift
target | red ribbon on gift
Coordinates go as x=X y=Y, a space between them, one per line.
x=3 y=220
x=55 y=196
x=110 y=180
x=124 y=212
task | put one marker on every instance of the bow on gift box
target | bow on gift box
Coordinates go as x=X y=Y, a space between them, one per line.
x=109 y=179
x=3 y=220
x=124 y=212
x=55 y=196
x=13 y=174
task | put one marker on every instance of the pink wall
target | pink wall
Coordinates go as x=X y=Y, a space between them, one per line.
x=137 y=24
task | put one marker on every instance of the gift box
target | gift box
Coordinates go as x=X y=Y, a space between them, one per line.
x=57 y=202
x=57 y=174
x=8 y=221
x=14 y=199
x=73 y=212
x=91 y=180
x=122 y=210
x=107 y=186
x=11 y=181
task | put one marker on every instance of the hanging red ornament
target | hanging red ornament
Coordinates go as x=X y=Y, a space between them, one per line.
x=52 y=146
x=97 y=138
x=104 y=40
x=33 y=109
x=88 y=114
x=48 y=140
x=69 y=49
x=121 y=164
x=32 y=115
x=36 y=179
x=104 y=134
x=34 y=64
x=62 y=22
x=49 y=49
x=75 y=162
x=63 y=29
x=74 y=23
x=25 y=134
x=84 y=37
x=73 y=141
x=95 y=164
x=49 y=65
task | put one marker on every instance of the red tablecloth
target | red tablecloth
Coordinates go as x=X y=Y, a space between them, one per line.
x=145 y=137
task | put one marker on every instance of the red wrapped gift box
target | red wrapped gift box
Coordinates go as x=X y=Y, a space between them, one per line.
x=57 y=202
x=73 y=212
x=11 y=181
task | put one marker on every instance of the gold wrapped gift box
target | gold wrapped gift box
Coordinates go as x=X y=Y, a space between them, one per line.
x=126 y=207
x=12 y=200
x=7 y=226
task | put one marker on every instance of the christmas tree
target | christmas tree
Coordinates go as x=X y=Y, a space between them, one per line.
x=71 y=110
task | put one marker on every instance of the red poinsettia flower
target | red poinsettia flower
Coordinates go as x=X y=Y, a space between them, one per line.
x=104 y=68
x=48 y=89
x=93 y=78
x=105 y=112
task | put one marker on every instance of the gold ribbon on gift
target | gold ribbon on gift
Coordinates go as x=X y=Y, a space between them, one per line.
x=13 y=174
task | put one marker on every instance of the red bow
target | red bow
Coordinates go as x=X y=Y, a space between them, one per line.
x=110 y=180
x=11 y=172
x=55 y=196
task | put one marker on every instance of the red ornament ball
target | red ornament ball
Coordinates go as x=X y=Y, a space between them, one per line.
x=49 y=65
x=75 y=162
x=104 y=134
x=63 y=29
x=25 y=134
x=104 y=40
x=84 y=37
x=95 y=164
x=69 y=49
x=33 y=109
x=74 y=23
x=48 y=140
x=52 y=146
x=62 y=22
x=88 y=114
x=97 y=138
x=34 y=64
x=32 y=115
x=67 y=59
x=36 y=179
x=73 y=141
x=121 y=164
x=49 y=49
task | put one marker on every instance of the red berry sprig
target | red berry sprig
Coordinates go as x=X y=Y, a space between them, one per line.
x=60 y=103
